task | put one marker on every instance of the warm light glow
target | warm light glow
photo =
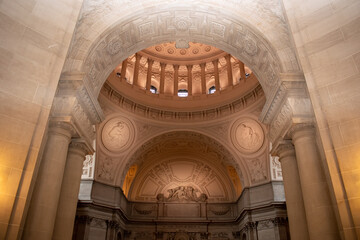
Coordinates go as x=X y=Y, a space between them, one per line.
x=235 y=179
x=128 y=179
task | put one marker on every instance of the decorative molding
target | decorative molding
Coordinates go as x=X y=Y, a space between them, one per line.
x=83 y=124
x=144 y=210
x=291 y=85
x=280 y=124
x=165 y=115
x=105 y=169
x=91 y=105
x=98 y=223
x=237 y=36
x=257 y=170
x=220 y=210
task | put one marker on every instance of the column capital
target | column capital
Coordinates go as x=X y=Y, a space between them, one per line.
x=62 y=128
x=215 y=61
x=80 y=147
x=163 y=65
x=176 y=67
x=203 y=65
x=302 y=130
x=150 y=61
x=284 y=149
x=137 y=56
x=189 y=67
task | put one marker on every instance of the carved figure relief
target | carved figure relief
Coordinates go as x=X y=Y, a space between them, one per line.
x=257 y=170
x=247 y=135
x=116 y=134
x=105 y=169
x=182 y=194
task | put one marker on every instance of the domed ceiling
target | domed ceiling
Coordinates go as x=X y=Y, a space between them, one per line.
x=191 y=53
x=182 y=76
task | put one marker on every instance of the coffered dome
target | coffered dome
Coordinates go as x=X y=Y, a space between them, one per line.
x=182 y=76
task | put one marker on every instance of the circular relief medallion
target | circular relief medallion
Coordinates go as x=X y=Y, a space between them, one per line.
x=171 y=51
x=117 y=134
x=247 y=135
x=195 y=51
x=182 y=51
x=158 y=48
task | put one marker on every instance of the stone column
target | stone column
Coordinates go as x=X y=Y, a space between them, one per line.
x=203 y=79
x=294 y=200
x=216 y=73
x=176 y=79
x=136 y=69
x=229 y=70
x=189 y=69
x=123 y=70
x=149 y=71
x=242 y=71
x=318 y=207
x=44 y=203
x=66 y=210
x=162 y=77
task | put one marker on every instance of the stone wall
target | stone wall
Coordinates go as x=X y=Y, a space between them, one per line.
x=326 y=35
x=35 y=37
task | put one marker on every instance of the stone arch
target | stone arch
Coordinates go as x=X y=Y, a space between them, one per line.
x=226 y=155
x=157 y=23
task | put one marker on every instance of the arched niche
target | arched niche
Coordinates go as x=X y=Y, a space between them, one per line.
x=194 y=150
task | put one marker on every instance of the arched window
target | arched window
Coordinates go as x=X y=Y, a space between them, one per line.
x=212 y=90
x=153 y=89
x=183 y=93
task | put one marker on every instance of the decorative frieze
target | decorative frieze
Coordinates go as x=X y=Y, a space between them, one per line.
x=158 y=114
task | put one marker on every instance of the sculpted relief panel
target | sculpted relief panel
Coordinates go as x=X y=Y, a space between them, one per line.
x=181 y=180
x=117 y=134
x=247 y=135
